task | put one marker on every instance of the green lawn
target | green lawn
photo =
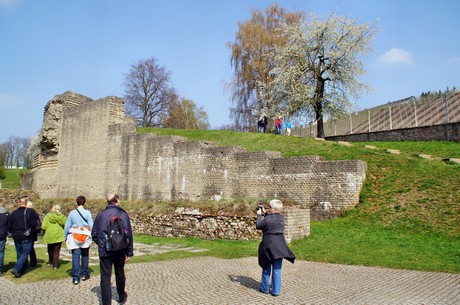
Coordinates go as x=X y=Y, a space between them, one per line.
x=408 y=216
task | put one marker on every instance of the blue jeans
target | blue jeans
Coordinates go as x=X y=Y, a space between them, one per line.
x=22 y=253
x=76 y=254
x=274 y=268
x=2 y=253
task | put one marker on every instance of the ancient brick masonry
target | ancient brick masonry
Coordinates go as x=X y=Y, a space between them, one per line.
x=89 y=147
x=186 y=223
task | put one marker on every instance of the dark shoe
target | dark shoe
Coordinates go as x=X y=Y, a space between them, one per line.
x=123 y=300
x=75 y=282
x=84 y=278
x=275 y=295
x=263 y=291
x=16 y=274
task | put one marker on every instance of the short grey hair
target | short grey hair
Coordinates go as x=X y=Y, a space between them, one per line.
x=276 y=204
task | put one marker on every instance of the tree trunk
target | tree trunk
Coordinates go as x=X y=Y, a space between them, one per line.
x=319 y=107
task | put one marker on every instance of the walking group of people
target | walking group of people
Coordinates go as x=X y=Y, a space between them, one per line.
x=78 y=231
x=263 y=122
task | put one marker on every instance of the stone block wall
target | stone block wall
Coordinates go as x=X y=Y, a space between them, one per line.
x=187 y=223
x=442 y=132
x=99 y=152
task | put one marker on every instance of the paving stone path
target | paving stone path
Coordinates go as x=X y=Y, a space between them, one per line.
x=208 y=280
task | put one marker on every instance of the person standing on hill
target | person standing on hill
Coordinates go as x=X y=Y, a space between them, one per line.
x=262 y=123
x=4 y=217
x=278 y=125
x=53 y=224
x=108 y=258
x=288 y=127
x=79 y=220
x=22 y=225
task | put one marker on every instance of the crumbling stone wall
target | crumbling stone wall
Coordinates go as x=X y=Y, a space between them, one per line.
x=93 y=149
x=188 y=223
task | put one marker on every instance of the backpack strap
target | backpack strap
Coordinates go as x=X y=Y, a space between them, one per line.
x=82 y=216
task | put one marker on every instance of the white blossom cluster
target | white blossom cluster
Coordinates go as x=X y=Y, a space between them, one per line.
x=320 y=65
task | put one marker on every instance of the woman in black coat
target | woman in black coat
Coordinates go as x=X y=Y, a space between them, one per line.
x=273 y=247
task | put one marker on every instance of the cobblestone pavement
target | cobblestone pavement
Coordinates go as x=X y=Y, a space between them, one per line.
x=207 y=280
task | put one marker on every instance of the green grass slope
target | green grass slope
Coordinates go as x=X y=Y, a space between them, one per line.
x=409 y=211
x=400 y=191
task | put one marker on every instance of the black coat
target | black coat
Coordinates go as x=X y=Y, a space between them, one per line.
x=100 y=228
x=273 y=245
x=17 y=226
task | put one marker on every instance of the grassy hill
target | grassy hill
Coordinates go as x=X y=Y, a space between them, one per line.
x=409 y=211
x=401 y=191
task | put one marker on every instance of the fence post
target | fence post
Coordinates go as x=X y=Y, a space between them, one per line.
x=415 y=111
x=351 y=125
x=447 y=108
x=389 y=108
x=369 y=119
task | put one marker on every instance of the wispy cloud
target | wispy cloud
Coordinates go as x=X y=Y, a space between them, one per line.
x=8 y=99
x=396 y=57
x=454 y=61
x=8 y=3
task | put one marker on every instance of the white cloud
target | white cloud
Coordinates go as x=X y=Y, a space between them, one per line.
x=396 y=56
x=7 y=3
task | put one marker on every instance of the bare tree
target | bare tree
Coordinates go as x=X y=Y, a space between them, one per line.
x=148 y=92
x=14 y=152
x=320 y=66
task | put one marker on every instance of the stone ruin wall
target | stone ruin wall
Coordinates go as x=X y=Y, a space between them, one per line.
x=187 y=223
x=98 y=151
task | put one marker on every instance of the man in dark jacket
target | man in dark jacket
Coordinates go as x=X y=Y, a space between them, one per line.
x=4 y=216
x=107 y=259
x=22 y=225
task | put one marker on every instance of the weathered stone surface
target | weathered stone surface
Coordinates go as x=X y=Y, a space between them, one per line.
x=181 y=223
x=91 y=148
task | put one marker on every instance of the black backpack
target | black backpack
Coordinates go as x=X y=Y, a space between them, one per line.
x=117 y=239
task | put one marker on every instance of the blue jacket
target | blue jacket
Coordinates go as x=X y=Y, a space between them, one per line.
x=75 y=220
x=101 y=224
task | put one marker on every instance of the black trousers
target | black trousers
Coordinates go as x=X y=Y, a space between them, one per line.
x=118 y=262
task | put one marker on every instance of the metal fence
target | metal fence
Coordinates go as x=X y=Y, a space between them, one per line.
x=405 y=113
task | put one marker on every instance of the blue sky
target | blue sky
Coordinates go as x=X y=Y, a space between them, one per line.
x=87 y=46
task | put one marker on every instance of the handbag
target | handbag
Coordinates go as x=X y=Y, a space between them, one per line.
x=82 y=233
x=27 y=231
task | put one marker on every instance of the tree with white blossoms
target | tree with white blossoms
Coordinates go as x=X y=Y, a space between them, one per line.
x=319 y=67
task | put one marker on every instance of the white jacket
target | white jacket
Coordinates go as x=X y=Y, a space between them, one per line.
x=72 y=244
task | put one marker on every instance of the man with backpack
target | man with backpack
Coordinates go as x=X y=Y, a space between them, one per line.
x=79 y=221
x=113 y=234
